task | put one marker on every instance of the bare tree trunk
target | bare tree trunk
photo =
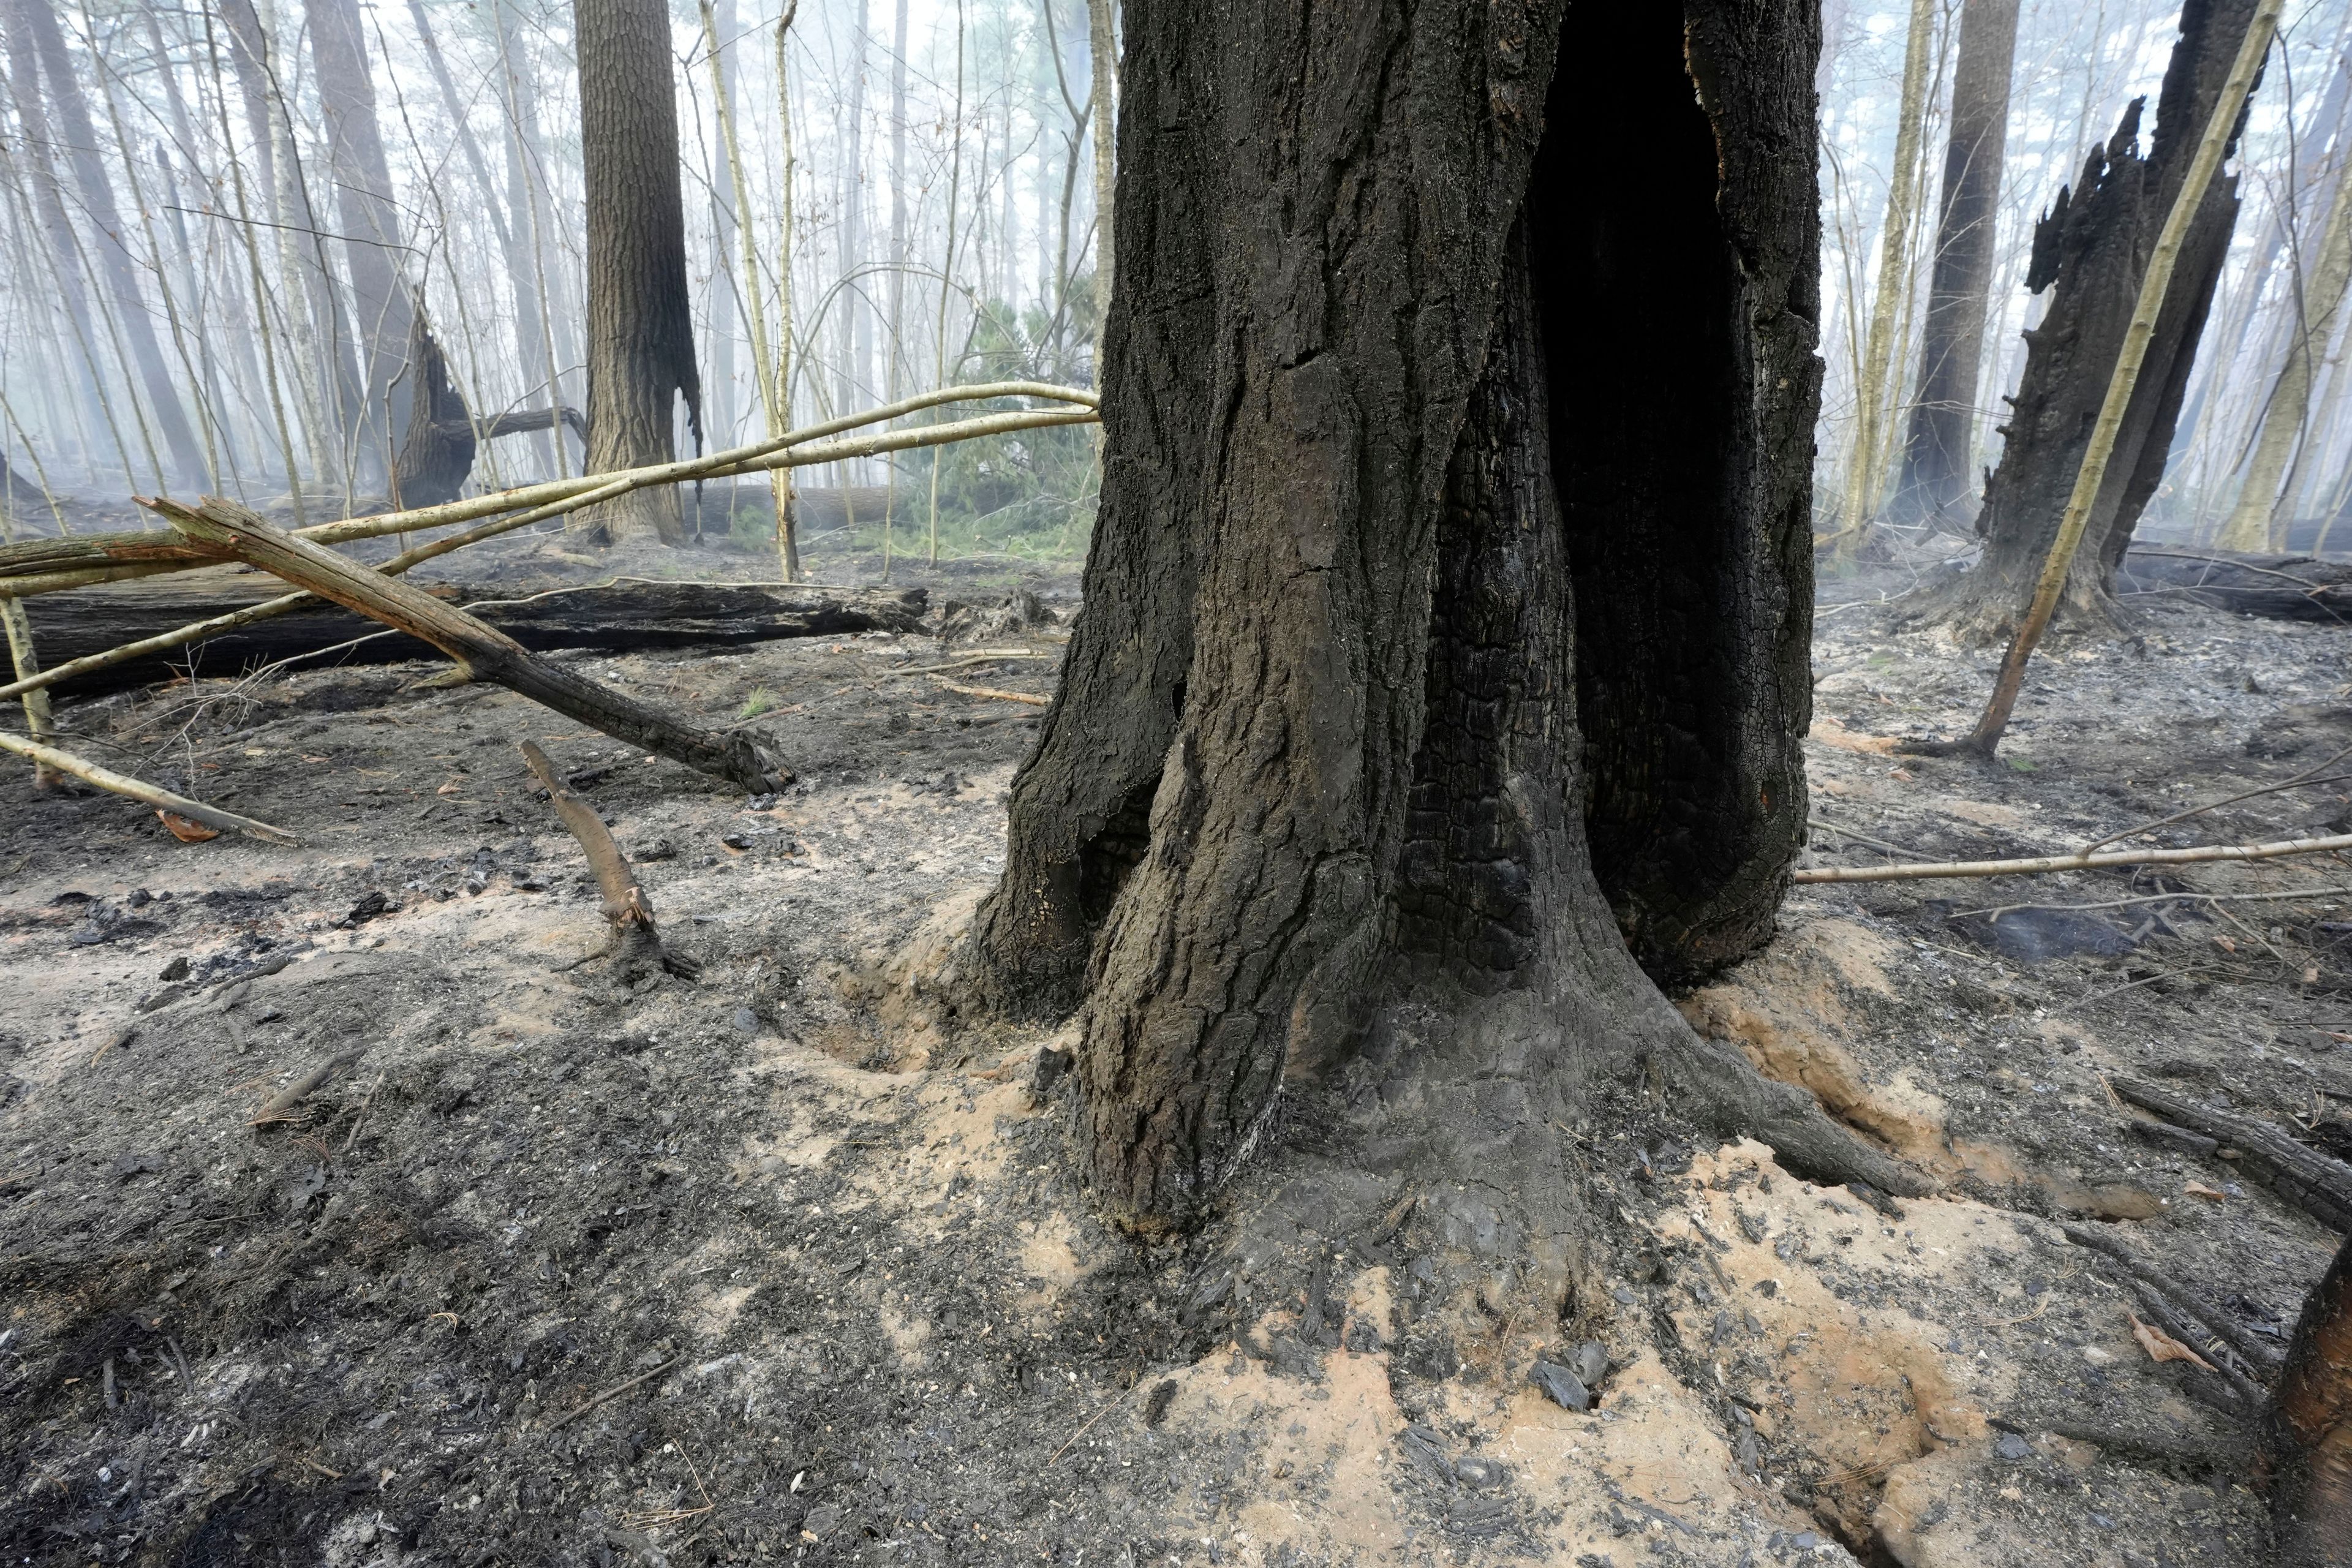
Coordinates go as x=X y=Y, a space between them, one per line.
x=328 y=372
x=372 y=251
x=39 y=171
x=1873 y=392
x=850 y=376
x=543 y=346
x=788 y=542
x=78 y=137
x=2316 y=312
x=2093 y=246
x=1937 y=473
x=640 y=325
x=1102 y=49
x=771 y=408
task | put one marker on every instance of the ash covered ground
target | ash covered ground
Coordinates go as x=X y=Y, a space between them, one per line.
x=784 y=1266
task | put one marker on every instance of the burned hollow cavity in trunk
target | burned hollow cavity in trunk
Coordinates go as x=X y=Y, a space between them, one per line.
x=1424 y=443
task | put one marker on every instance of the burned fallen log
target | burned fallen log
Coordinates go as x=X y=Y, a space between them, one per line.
x=2315 y=1183
x=2281 y=587
x=619 y=617
x=482 y=651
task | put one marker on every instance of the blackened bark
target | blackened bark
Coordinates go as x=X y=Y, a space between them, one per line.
x=372 y=251
x=2311 y=1438
x=1936 y=482
x=437 y=450
x=1312 y=781
x=2093 y=246
x=108 y=252
x=640 y=333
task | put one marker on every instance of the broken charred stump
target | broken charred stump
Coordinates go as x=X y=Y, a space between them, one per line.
x=621 y=617
x=2279 y=587
x=483 y=651
x=437 y=451
x=2093 y=248
x=2311 y=1438
x=1405 y=659
x=638 y=947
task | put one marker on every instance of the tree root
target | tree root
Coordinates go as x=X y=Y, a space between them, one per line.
x=1722 y=1090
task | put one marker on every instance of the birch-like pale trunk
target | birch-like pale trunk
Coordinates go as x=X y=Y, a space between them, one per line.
x=1872 y=413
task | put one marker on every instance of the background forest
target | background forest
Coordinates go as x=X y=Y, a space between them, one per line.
x=216 y=215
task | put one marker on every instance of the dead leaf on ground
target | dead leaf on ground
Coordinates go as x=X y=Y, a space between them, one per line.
x=2210 y=1194
x=183 y=830
x=2161 y=1346
x=449 y=788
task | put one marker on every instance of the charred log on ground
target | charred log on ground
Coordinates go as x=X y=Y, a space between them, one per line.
x=620 y=618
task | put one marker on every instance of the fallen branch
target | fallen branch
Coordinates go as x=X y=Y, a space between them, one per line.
x=997 y=692
x=280 y=1107
x=2261 y=1357
x=123 y=785
x=636 y=940
x=2318 y=1185
x=46 y=566
x=2304 y=777
x=613 y=1392
x=483 y=651
x=2036 y=865
x=987 y=656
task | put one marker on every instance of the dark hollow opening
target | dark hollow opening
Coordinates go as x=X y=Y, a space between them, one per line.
x=1635 y=287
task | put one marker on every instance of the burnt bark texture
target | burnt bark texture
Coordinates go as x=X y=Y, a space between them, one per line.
x=1410 y=648
x=437 y=450
x=640 y=334
x=2093 y=248
x=1935 y=484
x=2311 y=1436
x=370 y=220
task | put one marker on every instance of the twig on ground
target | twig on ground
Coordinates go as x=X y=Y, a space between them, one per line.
x=281 y=1106
x=1090 y=1423
x=2257 y=1354
x=2036 y=865
x=990 y=656
x=359 y=1118
x=1997 y=910
x=613 y=1392
x=636 y=940
x=123 y=785
x=1828 y=826
x=114 y=1039
x=998 y=692
x=2304 y=777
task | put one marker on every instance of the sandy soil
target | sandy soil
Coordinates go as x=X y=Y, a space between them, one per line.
x=782 y=1266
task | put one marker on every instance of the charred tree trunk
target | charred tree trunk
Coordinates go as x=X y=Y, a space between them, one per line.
x=2312 y=1428
x=437 y=451
x=1936 y=482
x=370 y=221
x=640 y=332
x=1380 y=700
x=2093 y=246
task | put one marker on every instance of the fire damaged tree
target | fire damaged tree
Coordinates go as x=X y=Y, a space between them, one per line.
x=2092 y=249
x=640 y=331
x=1448 y=611
x=437 y=451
